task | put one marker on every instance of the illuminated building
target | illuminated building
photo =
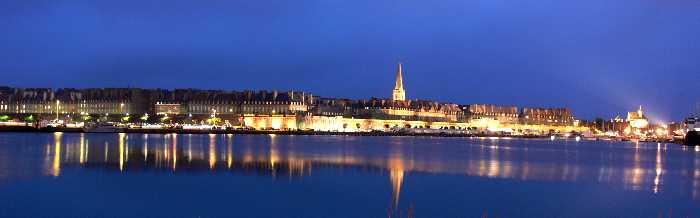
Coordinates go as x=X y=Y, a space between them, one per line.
x=167 y=109
x=637 y=119
x=275 y=110
x=382 y=114
x=636 y=124
x=399 y=94
x=66 y=101
x=547 y=116
x=198 y=104
x=388 y=109
x=502 y=114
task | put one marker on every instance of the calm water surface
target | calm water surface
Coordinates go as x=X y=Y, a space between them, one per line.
x=141 y=175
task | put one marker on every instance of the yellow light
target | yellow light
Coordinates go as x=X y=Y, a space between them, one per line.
x=57 y=154
x=276 y=123
x=174 y=151
x=640 y=123
x=121 y=151
x=212 y=151
x=82 y=148
x=396 y=178
x=229 y=152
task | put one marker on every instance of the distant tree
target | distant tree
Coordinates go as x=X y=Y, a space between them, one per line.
x=126 y=119
x=75 y=118
x=600 y=123
x=29 y=118
x=135 y=118
x=180 y=119
x=144 y=117
x=158 y=118
x=214 y=120
x=85 y=118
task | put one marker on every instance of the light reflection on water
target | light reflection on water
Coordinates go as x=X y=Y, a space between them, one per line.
x=487 y=159
x=639 y=167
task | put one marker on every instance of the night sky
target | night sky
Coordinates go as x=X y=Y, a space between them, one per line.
x=598 y=57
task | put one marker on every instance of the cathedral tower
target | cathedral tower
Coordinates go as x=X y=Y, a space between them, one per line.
x=399 y=94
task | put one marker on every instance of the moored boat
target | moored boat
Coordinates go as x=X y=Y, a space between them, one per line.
x=102 y=128
x=692 y=131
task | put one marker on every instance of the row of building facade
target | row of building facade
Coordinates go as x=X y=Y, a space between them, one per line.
x=278 y=110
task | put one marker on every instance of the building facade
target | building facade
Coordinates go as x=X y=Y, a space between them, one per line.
x=290 y=110
x=502 y=114
x=547 y=116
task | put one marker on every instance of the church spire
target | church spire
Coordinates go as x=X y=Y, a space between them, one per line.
x=399 y=94
x=399 y=78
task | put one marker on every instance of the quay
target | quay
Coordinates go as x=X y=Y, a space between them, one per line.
x=262 y=132
x=576 y=137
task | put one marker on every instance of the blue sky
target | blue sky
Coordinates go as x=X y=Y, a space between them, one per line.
x=598 y=57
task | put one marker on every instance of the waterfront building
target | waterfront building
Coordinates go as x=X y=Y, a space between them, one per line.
x=490 y=113
x=269 y=122
x=375 y=108
x=167 y=109
x=547 y=116
x=66 y=102
x=290 y=110
x=204 y=102
x=636 y=122
x=384 y=114
x=637 y=119
x=258 y=110
x=198 y=104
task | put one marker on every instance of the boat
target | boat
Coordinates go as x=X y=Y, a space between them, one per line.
x=692 y=131
x=102 y=128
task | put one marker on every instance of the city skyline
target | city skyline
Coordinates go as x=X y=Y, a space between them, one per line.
x=598 y=58
x=398 y=93
x=363 y=108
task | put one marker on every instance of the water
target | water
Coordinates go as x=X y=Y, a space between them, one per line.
x=138 y=175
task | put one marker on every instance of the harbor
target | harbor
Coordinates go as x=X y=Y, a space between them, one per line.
x=411 y=132
x=390 y=175
x=363 y=108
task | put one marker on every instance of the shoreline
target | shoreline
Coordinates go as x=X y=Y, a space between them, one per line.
x=31 y=129
x=253 y=132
